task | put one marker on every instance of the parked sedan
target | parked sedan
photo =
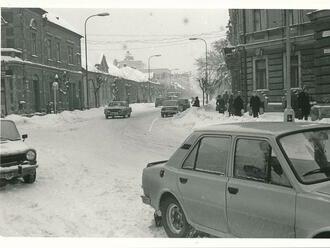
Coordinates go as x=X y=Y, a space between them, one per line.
x=118 y=108
x=245 y=180
x=170 y=107
x=17 y=160
x=183 y=104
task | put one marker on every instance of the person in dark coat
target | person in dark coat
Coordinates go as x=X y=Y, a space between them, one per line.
x=221 y=106
x=196 y=102
x=304 y=104
x=255 y=104
x=226 y=98
x=238 y=105
x=231 y=105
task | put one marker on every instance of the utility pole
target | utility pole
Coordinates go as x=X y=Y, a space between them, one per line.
x=288 y=112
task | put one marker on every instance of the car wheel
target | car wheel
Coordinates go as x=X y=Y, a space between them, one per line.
x=173 y=219
x=30 y=178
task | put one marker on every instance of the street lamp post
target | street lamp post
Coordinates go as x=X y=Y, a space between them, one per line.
x=87 y=86
x=156 y=55
x=55 y=87
x=288 y=112
x=206 y=72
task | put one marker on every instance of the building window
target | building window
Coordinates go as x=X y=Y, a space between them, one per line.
x=70 y=55
x=58 y=51
x=293 y=17
x=260 y=74
x=78 y=59
x=49 y=48
x=256 y=19
x=34 y=43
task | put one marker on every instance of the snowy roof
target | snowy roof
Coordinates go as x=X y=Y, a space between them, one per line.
x=60 y=22
x=177 y=85
x=5 y=49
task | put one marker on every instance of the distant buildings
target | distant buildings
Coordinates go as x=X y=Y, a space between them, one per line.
x=256 y=57
x=38 y=48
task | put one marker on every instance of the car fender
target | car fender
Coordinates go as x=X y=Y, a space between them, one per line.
x=318 y=231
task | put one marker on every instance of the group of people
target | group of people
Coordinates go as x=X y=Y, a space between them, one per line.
x=227 y=102
x=300 y=101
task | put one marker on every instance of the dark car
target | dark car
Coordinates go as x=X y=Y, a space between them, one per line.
x=170 y=107
x=17 y=159
x=183 y=104
x=117 y=108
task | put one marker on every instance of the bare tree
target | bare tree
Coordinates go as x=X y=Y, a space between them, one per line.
x=218 y=73
x=97 y=84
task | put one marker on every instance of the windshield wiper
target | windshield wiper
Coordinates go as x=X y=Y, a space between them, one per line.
x=319 y=170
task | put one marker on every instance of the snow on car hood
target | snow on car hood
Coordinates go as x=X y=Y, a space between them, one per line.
x=12 y=147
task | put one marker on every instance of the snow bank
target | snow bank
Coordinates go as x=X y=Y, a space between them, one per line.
x=198 y=117
x=75 y=116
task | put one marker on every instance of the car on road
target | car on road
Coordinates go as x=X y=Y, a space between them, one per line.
x=159 y=101
x=17 y=160
x=117 y=108
x=183 y=104
x=250 y=180
x=170 y=108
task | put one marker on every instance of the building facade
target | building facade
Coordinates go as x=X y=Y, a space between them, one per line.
x=257 y=55
x=36 y=50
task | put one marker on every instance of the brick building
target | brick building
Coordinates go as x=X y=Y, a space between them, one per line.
x=35 y=47
x=256 y=57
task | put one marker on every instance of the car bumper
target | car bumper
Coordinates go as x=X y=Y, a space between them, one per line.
x=171 y=112
x=16 y=171
x=146 y=199
x=115 y=113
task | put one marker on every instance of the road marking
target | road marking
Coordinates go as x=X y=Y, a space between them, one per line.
x=152 y=124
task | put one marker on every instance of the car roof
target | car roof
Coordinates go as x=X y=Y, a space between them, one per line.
x=265 y=128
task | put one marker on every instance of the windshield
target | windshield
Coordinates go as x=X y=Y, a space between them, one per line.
x=9 y=131
x=170 y=103
x=309 y=154
x=111 y=104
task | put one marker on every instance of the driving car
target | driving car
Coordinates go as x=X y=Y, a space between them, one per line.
x=117 y=108
x=183 y=104
x=249 y=180
x=170 y=108
x=17 y=160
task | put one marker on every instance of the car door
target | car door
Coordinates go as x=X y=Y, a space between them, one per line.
x=260 y=199
x=202 y=182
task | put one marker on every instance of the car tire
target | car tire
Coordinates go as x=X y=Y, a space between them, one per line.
x=30 y=178
x=174 y=219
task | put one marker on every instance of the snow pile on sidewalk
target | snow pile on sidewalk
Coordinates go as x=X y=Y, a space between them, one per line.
x=67 y=117
x=198 y=117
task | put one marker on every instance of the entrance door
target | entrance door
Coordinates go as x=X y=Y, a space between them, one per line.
x=36 y=93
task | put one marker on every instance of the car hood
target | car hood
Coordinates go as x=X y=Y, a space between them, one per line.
x=116 y=107
x=12 y=147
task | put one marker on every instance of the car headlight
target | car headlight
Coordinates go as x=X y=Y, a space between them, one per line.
x=31 y=155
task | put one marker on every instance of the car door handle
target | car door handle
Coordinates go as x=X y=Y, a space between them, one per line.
x=183 y=180
x=232 y=190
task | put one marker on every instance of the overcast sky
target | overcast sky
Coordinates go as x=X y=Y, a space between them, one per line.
x=145 y=32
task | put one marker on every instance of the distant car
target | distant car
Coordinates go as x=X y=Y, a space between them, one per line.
x=118 y=108
x=183 y=104
x=17 y=159
x=170 y=107
x=252 y=180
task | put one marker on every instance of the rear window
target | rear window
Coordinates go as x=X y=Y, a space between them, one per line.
x=170 y=103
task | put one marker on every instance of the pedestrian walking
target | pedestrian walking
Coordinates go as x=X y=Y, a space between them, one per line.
x=225 y=99
x=196 y=102
x=304 y=103
x=231 y=105
x=255 y=104
x=221 y=104
x=238 y=105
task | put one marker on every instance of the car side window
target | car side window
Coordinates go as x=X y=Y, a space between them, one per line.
x=256 y=160
x=189 y=163
x=213 y=155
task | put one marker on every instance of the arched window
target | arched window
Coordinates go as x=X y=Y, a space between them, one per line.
x=33 y=24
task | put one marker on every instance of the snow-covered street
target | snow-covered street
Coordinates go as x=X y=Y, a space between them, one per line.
x=89 y=176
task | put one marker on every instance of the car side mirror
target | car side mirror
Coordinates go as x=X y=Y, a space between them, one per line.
x=24 y=136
